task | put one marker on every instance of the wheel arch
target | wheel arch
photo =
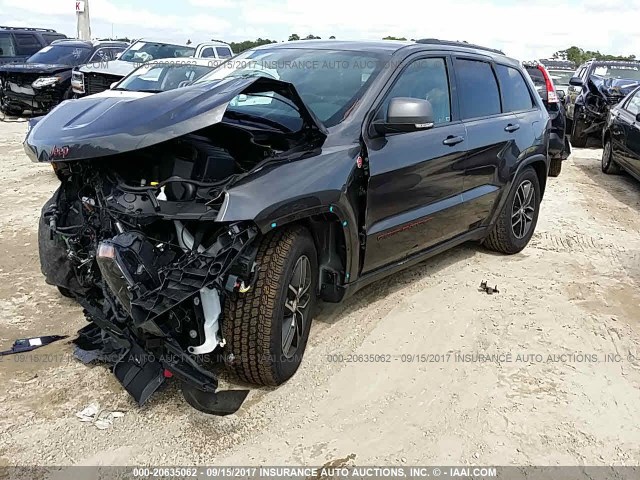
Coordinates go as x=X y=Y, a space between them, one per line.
x=331 y=234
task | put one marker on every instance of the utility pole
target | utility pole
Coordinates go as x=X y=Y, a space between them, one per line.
x=84 y=24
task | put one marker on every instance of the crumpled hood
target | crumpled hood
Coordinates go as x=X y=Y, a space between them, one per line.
x=34 y=68
x=613 y=87
x=114 y=67
x=93 y=127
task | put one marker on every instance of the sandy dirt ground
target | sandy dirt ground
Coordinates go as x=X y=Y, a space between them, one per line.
x=567 y=303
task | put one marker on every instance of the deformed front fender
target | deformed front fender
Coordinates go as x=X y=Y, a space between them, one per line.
x=280 y=194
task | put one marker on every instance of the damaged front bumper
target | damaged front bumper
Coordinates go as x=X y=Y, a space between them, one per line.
x=159 y=312
x=15 y=98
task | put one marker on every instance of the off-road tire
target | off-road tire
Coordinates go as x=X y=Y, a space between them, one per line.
x=555 y=167
x=252 y=323
x=609 y=164
x=578 y=139
x=502 y=238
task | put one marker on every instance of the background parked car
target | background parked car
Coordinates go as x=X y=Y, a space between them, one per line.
x=596 y=87
x=90 y=79
x=17 y=44
x=560 y=72
x=559 y=147
x=160 y=76
x=621 y=137
x=44 y=80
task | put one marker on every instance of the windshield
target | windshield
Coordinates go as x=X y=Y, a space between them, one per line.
x=560 y=77
x=330 y=82
x=144 y=51
x=630 y=72
x=163 y=76
x=61 y=55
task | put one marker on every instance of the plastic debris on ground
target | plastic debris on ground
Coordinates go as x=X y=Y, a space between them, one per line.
x=102 y=419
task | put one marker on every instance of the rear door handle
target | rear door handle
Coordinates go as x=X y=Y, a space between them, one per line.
x=511 y=128
x=451 y=140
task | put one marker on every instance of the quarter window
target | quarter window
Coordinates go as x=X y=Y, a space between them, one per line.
x=515 y=93
x=426 y=79
x=223 y=52
x=477 y=89
x=50 y=37
x=27 y=43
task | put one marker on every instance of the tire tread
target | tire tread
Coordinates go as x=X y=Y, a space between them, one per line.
x=248 y=318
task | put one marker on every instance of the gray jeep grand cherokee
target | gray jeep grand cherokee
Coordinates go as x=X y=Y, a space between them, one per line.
x=202 y=224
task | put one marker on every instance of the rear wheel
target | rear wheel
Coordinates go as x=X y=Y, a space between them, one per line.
x=266 y=329
x=555 y=167
x=517 y=221
x=609 y=164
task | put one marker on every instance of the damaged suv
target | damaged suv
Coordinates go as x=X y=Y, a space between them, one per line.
x=597 y=87
x=202 y=224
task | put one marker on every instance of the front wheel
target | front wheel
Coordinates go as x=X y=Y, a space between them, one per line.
x=266 y=329
x=609 y=164
x=517 y=221
x=578 y=139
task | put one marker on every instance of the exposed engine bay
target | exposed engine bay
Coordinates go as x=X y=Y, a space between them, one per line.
x=133 y=237
x=603 y=94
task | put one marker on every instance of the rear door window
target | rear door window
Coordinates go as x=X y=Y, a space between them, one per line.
x=6 y=45
x=515 y=93
x=477 y=89
x=27 y=43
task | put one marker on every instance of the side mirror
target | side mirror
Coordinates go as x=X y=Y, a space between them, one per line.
x=638 y=117
x=561 y=94
x=113 y=85
x=575 y=81
x=406 y=115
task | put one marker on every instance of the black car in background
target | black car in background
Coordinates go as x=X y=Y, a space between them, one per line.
x=595 y=88
x=17 y=43
x=621 y=137
x=210 y=218
x=44 y=79
x=559 y=147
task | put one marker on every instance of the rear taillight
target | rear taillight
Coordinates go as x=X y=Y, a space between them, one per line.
x=552 y=96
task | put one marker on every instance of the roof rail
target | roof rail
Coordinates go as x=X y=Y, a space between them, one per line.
x=29 y=29
x=435 y=41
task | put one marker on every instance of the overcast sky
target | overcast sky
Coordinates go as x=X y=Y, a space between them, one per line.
x=524 y=30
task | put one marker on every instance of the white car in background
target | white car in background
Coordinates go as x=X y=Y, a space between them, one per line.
x=97 y=77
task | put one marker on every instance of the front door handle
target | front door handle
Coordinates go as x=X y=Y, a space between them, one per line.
x=451 y=140
x=511 y=128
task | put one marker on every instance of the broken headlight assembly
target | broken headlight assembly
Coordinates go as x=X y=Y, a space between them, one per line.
x=43 y=82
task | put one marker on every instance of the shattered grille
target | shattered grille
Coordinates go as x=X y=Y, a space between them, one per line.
x=97 y=82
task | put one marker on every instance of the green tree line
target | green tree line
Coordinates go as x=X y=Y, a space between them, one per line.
x=579 y=56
